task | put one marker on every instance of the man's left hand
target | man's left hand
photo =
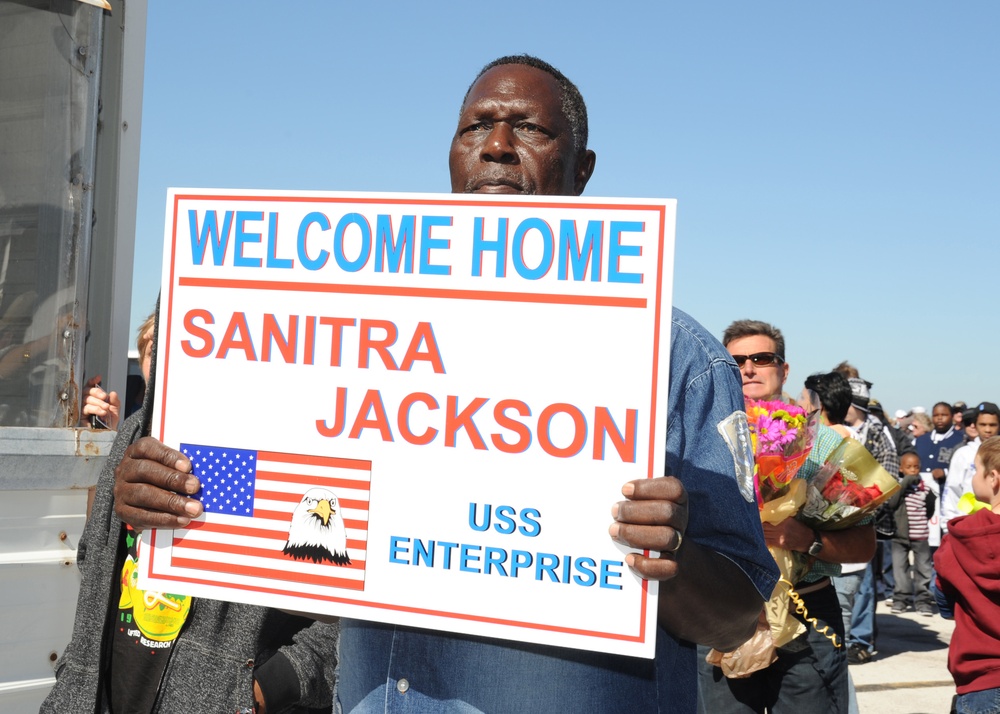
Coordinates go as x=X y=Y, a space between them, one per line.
x=654 y=517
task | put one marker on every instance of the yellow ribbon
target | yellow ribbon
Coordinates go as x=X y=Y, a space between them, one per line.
x=800 y=608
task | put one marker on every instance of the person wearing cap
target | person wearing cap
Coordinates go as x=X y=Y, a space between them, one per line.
x=963 y=463
x=956 y=414
x=900 y=435
x=869 y=430
x=969 y=425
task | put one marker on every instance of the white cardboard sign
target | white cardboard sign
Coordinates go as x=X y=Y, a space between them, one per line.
x=416 y=408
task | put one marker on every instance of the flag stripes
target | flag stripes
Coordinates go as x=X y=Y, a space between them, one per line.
x=242 y=545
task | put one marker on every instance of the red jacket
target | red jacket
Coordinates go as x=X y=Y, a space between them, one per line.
x=968 y=572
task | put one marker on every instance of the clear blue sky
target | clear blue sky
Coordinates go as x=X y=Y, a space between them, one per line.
x=836 y=165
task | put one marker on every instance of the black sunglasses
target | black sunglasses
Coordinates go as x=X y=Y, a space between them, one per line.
x=759 y=359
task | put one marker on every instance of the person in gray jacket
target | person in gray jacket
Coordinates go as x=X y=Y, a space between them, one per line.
x=138 y=651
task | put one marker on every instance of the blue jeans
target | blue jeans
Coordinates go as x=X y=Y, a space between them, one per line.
x=863 y=628
x=391 y=669
x=847 y=589
x=913 y=590
x=883 y=564
x=986 y=701
x=810 y=674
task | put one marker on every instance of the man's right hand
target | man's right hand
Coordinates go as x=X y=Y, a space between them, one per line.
x=152 y=485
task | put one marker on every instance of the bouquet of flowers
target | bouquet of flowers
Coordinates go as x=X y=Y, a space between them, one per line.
x=847 y=488
x=781 y=435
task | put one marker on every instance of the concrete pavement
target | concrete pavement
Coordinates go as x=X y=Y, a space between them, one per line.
x=909 y=674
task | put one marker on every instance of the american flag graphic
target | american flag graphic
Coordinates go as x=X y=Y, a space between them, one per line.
x=249 y=496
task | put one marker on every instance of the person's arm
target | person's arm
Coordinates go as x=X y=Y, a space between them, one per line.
x=897 y=498
x=944 y=594
x=152 y=487
x=850 y=545
x=704 y=596
x=301 y=674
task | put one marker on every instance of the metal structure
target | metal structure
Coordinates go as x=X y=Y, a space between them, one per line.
x=70 y=112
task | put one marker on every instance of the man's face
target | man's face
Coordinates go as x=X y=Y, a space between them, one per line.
x=941 y=416
x=513 y=137
x=759 y=381
x=987 y=425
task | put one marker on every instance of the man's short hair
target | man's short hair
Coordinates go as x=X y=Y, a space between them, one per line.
x=847 y=369
x=989 y=452
x=834 y=392
x=573 y=106
x=750 y=328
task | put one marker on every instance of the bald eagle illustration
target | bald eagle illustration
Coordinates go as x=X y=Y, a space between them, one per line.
x=317 y=532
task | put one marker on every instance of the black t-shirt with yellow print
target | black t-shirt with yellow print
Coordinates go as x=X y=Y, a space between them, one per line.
x=145 y=629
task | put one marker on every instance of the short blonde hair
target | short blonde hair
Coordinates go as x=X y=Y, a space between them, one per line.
x=989 y=453
x=140 y=339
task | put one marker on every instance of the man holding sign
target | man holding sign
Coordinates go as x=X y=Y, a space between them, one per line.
x=523 y=130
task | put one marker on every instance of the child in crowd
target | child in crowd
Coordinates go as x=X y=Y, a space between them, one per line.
x=912 y=505
x=967 y=582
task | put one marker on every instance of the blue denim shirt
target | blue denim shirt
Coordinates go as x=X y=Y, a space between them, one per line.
x=388 y=668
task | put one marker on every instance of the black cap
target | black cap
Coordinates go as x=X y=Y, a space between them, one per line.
x=988 y=408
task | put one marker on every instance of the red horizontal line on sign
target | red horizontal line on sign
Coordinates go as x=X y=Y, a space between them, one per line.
x=468 y=201
x=258 y=552
x=418 y=610
x=314 y=480
x=448 y=293
x=295 y=498
x=332 y=461
x=268 y=573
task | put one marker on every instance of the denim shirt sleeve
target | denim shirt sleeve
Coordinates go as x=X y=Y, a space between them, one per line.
x=705 y=398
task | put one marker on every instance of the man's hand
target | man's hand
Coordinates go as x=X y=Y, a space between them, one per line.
x=654 y=517
x=790 y=534
x=713 y=602
x=150 y=487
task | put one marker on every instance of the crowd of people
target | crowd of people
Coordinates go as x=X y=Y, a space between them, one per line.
x=523 y=129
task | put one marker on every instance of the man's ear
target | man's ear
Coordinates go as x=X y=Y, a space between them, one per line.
x=784 y=377
x=584 y=170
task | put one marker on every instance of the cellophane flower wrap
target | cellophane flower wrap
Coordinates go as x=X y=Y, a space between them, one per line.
x=782 y=435
x=847 y=488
